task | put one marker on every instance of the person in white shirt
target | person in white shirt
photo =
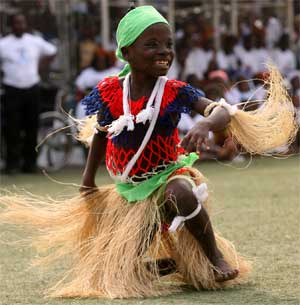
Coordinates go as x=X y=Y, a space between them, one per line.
x=20 y=54
x=226 y=58
x=273 y=31
x=243 y=91
x=261 y=54
x=178 y=67
x=102 y=66
x=284 y=57
x=199 y=59
x=246 y=56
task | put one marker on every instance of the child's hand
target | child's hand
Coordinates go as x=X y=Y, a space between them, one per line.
x=197 y=136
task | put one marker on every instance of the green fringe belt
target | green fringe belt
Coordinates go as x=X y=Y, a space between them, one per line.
x=136 y=192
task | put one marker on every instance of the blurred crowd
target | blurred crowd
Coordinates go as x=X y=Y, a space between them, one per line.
x=236 y=70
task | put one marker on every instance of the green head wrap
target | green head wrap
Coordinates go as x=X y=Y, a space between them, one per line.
x=132 y=25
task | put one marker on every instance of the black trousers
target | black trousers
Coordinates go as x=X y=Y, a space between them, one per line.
x=20 y=121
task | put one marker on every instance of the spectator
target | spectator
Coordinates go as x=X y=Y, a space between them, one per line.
x=178 y=67
x=46 y=23
x=296 y=39
x=187 y=121
x=219 y=87
x=194 y=81
x=102 y=66
x=284 y=57
x=199 y=58
x=20 y=54
x=246 y=56
x=294 y=79
x=218 y=79
x=273 y=31
x=243 y=92
x=260 y=86
x=226 y=58
x=186 y=34
x=88 y=45
x=214 y=90
x=261 y=54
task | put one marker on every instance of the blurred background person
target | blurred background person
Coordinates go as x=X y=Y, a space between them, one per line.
x=178 y=67
x=20 y=55
x=261 y=54
x=246 y=56
x=284 y=57
x=87 y=45
x=244 y=92
x=102 y=65
x=199 y=57
x=273 y=30
x=294 y=80
x=226 y=57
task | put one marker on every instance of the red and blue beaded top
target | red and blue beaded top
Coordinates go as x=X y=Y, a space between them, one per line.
x=162 y=148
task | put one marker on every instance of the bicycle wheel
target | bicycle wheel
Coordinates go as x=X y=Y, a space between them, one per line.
x=55 y=143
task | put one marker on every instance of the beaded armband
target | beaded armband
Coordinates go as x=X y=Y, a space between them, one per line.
x=231 y=109
x=210 y=108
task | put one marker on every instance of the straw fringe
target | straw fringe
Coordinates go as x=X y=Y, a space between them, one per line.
x=272 y=127
x=109 y=241
x=86 y=129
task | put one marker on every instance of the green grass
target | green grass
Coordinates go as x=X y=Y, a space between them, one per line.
x=258 y=208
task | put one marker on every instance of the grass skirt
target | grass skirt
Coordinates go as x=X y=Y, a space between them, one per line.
x=109 y=243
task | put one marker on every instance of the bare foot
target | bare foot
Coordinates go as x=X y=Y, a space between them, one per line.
x=223 y=271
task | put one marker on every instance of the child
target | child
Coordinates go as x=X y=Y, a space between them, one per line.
x=125 y=238
x=150 y=57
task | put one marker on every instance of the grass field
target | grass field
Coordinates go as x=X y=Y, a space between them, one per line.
x=258 y=208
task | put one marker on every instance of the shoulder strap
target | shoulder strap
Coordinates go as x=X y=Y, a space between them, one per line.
x=149 y=132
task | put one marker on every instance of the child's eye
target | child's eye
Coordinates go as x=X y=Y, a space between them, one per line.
x=170 y=44
x=152 y=44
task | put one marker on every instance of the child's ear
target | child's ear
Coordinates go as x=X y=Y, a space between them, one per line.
x=125 y=52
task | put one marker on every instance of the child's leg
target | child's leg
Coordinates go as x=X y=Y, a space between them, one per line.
x=164 y=266
x=199 y=226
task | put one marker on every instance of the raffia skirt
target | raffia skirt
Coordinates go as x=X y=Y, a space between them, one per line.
x=110 y=243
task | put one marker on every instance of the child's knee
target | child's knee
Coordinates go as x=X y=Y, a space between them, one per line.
x=179 y=193
x=178 y=188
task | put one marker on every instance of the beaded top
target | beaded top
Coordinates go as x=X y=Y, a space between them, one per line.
x=162 y=148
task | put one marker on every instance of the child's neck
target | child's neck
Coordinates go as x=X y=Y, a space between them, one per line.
x=141 y=86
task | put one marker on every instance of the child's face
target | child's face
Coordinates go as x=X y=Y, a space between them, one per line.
x=152 y=53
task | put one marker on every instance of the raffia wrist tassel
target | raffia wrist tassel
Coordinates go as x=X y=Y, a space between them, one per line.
x=270 y=127
x=86 y=129
x=232 y=109
x=210 y=108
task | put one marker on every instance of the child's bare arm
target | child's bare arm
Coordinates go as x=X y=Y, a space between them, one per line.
x=216 y=121
x=95 y=156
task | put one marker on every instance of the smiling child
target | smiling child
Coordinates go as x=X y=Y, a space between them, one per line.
x=149 y=233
